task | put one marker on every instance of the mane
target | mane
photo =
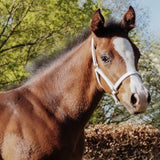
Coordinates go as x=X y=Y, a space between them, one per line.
x=43 y=61
x=113 y=28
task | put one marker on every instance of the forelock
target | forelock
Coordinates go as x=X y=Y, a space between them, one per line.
x=113 y=28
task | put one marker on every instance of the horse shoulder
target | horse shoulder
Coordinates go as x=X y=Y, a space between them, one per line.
x=25 y=126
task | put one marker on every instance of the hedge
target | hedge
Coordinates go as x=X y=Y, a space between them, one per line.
x=122 y=142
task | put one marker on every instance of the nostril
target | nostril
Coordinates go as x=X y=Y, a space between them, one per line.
x=133 y=99
x=149 y=98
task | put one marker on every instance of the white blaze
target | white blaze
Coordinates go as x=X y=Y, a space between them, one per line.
x=125 y=50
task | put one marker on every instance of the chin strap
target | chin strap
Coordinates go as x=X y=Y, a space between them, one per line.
x=99 y=72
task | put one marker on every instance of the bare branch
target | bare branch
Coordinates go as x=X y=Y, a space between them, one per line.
x=40 y=39
x=17 y=46
x=19 y=22
x=11 y=14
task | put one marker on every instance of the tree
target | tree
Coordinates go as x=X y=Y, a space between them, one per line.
x=29 y=28
x=148 y=68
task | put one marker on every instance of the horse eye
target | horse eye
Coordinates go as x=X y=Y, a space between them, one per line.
x=105 y=59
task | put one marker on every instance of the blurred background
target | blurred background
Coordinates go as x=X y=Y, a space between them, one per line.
x=30 y=28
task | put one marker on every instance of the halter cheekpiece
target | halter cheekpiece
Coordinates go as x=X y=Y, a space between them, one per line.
x=99 y=72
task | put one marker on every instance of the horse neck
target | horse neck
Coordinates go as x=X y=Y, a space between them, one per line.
x=69 y=88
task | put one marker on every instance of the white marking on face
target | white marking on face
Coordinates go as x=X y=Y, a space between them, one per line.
x=125 y=50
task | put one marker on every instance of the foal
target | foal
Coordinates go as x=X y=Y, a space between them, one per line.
x=45 y=118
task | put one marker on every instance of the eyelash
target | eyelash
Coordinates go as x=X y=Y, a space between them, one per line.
x=106 y=59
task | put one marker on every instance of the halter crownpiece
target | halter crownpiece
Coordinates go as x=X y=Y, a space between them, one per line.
x=99 y=72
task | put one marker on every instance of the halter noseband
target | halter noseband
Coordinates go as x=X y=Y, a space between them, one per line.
x=99 y=72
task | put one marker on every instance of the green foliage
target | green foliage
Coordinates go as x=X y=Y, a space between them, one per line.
x=98 y=116
x=149 y=68
x=151 y=78
x=30 y=28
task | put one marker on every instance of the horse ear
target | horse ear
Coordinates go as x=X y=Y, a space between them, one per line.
x=128 y=20
x=97 y=24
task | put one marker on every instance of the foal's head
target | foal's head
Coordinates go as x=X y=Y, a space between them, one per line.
x=117 y=58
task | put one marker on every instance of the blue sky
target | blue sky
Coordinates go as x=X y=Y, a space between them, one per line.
x=154 y=13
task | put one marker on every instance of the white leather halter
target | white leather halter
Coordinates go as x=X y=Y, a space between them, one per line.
x=99 y=72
